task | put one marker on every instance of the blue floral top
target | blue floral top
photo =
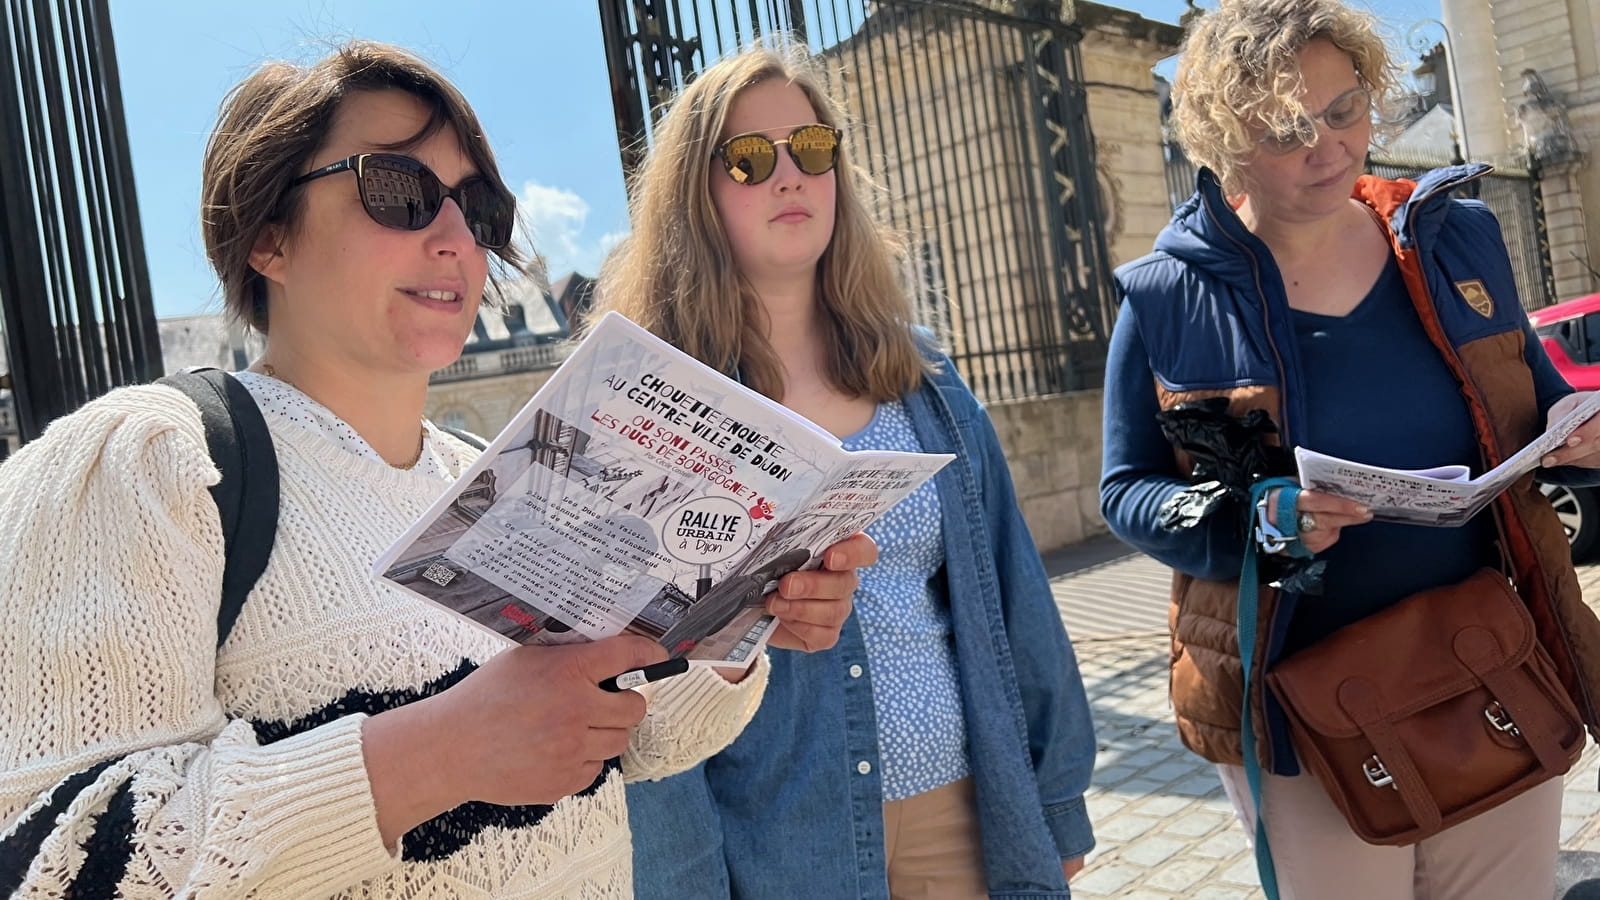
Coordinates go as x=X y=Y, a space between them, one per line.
x=904 y=610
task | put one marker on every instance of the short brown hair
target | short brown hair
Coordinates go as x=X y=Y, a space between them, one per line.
x=273 y=123
x=1239 y=69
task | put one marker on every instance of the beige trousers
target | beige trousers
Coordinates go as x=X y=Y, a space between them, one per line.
x=931 y=845
x=1507 y=853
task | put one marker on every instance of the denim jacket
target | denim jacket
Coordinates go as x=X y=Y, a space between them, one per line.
x=793 y=808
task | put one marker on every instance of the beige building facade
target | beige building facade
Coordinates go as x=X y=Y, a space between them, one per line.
x=1529 y=86
x=480 y=393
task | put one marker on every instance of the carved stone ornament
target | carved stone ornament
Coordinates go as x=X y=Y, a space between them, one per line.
x=1545 y=130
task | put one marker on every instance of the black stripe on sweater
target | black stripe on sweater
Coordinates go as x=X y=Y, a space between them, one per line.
x=366 y=702
x=442 y=835
x=107 y=851
x=28 y=835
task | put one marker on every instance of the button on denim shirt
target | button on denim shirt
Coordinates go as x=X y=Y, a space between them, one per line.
x=793 y=807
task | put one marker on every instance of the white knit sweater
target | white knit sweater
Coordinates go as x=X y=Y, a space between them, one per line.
x=140 y=761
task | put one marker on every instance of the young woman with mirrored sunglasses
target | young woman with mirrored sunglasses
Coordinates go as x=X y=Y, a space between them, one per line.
x=880 y=766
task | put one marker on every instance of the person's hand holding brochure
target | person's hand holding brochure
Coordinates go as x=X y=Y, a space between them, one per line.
x=642 y=492
x=1445 y=496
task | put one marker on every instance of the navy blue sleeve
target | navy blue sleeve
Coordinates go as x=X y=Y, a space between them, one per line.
x=1548 y=388
x=1139 y=472
x=1548 y=385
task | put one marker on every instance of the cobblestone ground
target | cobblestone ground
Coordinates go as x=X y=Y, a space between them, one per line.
x=1164 y=827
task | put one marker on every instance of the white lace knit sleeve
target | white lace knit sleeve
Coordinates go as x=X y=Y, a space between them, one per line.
x=691 y=717
x=120 y=773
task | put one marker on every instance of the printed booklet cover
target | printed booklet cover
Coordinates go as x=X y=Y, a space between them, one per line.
x=641 y=491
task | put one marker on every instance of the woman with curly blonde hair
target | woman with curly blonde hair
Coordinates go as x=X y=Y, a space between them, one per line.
x=1375 y=321
x=943 y=747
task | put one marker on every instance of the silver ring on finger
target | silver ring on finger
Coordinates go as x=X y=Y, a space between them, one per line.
x=1306 y=522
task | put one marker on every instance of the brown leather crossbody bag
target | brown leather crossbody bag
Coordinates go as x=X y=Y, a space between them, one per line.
x=1430 y=712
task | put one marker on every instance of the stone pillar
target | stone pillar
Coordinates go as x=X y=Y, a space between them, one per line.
x=1119 y=49
x=1570 y=237
x=1554 y=38
x=1479 y=98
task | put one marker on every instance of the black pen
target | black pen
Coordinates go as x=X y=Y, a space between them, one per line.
x=653 y=672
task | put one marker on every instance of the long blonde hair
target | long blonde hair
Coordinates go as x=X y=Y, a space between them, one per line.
x=676 y=276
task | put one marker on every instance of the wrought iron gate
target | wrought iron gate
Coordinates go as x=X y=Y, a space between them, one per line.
x=74 y=288
x=973 y=115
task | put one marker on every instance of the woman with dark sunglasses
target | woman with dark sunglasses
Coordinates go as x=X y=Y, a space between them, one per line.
x=1377 y=321
x=345 y=740
x=942 y=749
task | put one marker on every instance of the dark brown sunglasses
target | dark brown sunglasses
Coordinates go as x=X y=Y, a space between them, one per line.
x=400 y=192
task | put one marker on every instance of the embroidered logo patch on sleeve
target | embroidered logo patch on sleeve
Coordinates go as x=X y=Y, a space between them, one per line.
x=1477 y=296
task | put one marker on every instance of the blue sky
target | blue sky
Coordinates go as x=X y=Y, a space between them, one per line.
x=534 y=71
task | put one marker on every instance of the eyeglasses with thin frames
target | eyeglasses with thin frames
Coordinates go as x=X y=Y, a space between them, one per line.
x=1345 y=111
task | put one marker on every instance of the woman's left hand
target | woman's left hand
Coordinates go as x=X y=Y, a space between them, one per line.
x=1583 y=446
x=811 y=606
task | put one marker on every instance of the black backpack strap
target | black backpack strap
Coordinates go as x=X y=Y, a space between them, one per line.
x=247 y=495
x=465 y=437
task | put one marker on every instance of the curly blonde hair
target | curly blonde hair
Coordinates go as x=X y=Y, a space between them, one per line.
x=675 y=274
x=1239 y=73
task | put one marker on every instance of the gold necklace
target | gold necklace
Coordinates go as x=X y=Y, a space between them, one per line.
x=422 y=436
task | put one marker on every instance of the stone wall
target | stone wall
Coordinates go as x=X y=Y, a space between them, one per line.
x=1053 y=446
x=483 y=406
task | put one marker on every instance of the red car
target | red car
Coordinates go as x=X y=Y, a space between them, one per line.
x=1570 y=334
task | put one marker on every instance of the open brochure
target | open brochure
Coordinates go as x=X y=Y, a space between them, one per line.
x=640 y=491
x=1444 y=496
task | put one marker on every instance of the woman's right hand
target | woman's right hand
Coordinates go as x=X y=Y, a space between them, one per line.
x=1329 y=514
x=530 y=726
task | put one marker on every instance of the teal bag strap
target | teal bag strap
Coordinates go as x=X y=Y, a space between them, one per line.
x=1248 y=621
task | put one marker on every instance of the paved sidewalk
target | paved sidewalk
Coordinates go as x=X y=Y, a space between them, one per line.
x=1164 y=827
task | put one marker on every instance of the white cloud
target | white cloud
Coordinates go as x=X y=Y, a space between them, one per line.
x=553 y=221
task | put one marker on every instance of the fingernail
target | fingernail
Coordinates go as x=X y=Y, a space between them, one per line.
x=1548 y=461
x=790 y=586
x=1364 y=511
x=832 y=561
x=1574 y=441
x=778 y=606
